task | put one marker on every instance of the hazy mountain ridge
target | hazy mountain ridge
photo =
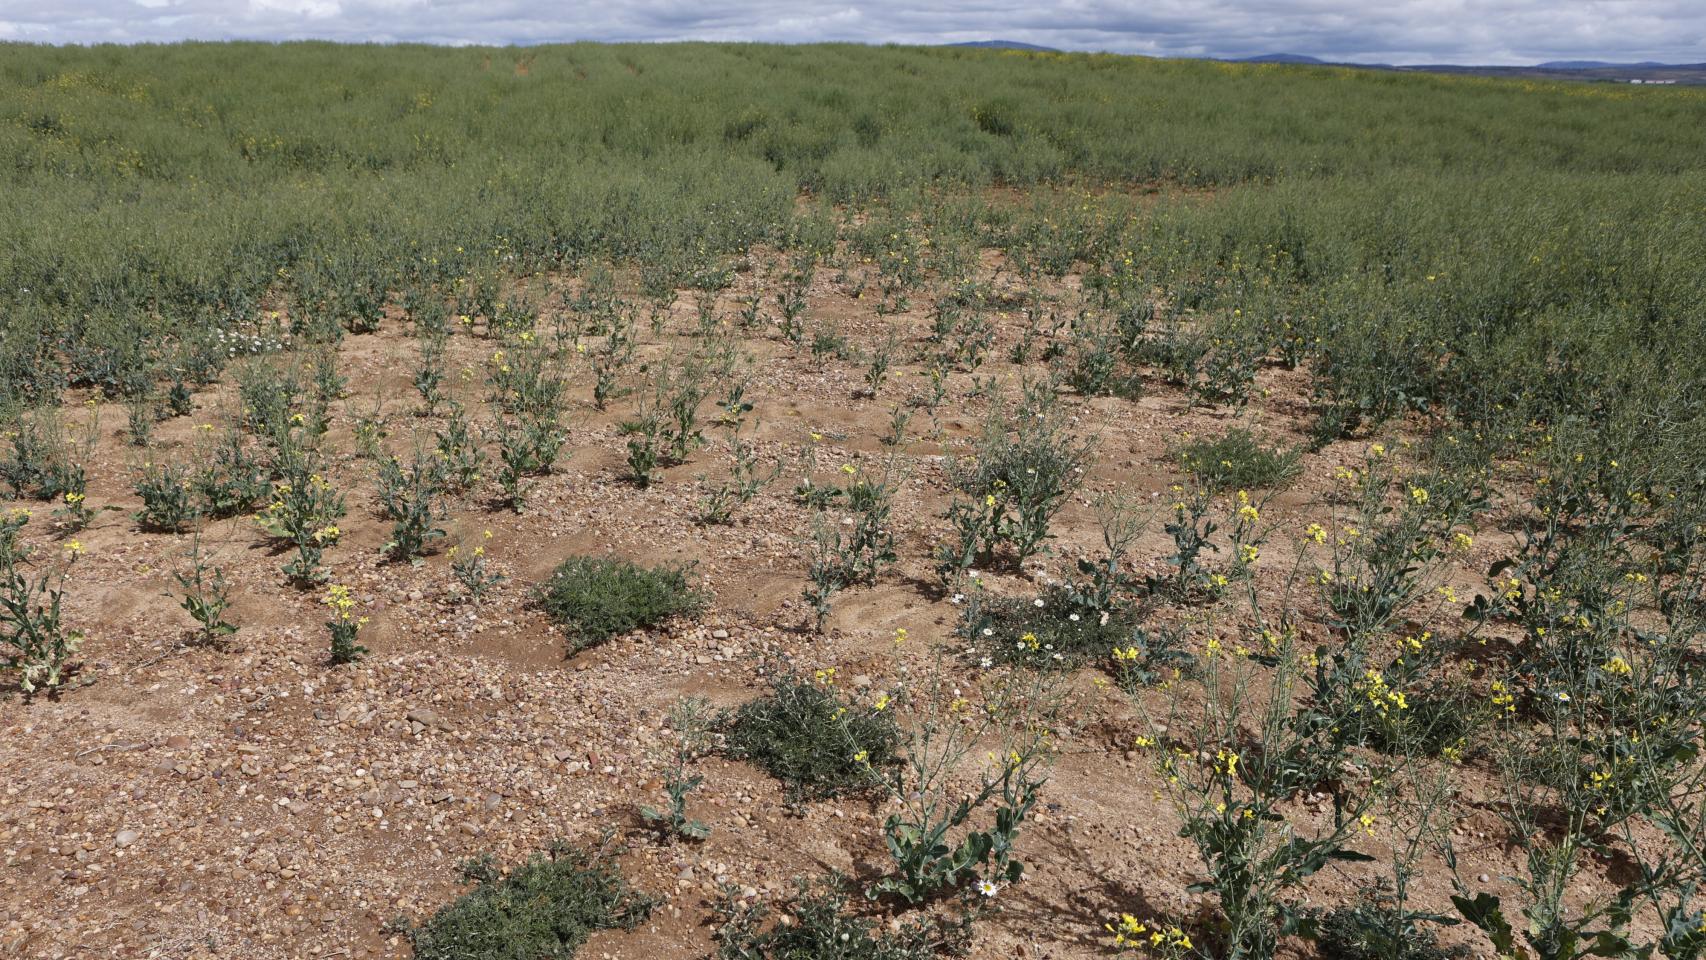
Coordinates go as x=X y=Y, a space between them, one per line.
x=1588 y=70
x=1004 y=45
x=1591 y=70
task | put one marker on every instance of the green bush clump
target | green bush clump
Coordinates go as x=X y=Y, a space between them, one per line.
x=822 y=925
x=544 y=909
x=1057 y=628
x=39 y=464
x=804 y=735
x=1236 y=460
x=168 y=502
x=1373 y=928
x=597 y=598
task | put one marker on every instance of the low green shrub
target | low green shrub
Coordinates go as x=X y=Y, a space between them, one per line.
x=803 y=734
x=1372 y=928
x=545 y=908
x=1236 y=460
x=168 y=501
x=230 y=478
x=821 y=924
x=597 y=598
x=40 y=463
x=1057 y=628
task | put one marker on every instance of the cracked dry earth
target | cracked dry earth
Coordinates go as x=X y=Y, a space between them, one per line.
x=176 y=801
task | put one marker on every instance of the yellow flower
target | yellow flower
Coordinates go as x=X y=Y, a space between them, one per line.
x=340 y=602
x=1225 y=761
x=881 y=702
x=1315 y=532
x=1616 y=666
x=1128 y=932
x=1502 y=697
x=1419 y=495
x=74 y=549
x=861 y=757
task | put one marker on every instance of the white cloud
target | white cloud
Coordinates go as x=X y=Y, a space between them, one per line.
x=1394 y=31
x=311 y=9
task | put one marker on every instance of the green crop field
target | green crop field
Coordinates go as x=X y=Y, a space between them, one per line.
x=1420 y=233
x=1053 y=505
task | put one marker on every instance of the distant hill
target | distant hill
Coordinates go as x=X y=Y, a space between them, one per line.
x=1593 y=70
x=1281 y=58
x=1004 y=45
x=1678 y=73
x=1596 y=64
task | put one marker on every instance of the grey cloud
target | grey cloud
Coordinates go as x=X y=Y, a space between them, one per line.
x=1391 y=31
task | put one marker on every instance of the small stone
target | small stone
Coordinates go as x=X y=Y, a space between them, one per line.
x=719 y=634
x=125 y=838
x=426 y=718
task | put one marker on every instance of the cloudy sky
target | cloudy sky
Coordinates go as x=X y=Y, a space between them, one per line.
x=1389 y=31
